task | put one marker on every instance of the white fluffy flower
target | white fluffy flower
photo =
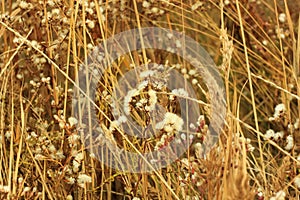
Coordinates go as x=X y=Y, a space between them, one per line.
x=278 y=135
x=79 y=157
x=70 y=180
x=72 y=121
x=152 y=99
x=279 y=196
x=280 y=108
x=23 y=5
x=282 y=17
x=297 y=182
x=122 y=119
x=192 y=72
x=82 y=179
x=171 y=122
x=146 y=4
x=128 y=98
x=90 y=24
x=279 y=112
x=290 y=143
x=73 y=138
x=4 y=188
x=179 y=92
x=147 y=73
x=142 y=85
x=269 y=134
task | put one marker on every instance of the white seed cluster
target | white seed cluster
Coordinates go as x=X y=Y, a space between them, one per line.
x=280 y=111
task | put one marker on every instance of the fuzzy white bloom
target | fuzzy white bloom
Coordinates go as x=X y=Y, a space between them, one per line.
x=4 y=188
x=92 y=155
x=90 y=24
x=226 y=2
x=55 y=11
x=265 y=42
x=170 y=35
x=51 y=148
x=20 y=179
x=168 y=128
x=282 y=17
x=76 y=166
x=46 y=80
x=8 y=134
x=183 y=70
x=146 y=4
x=61 y=124
x=152 y=99
x=279 y=109
x=69 y=197
x=39 y=157
x=26 y=189
x=33 y=83
x=35 y=44
x=147 y=73
x=178 y=43
x=269 y=134
x=199 y=150
x=170 y=49
x=72 y=121
x=171 y=122
x=19 y=76
x=280 y=32
x=79 y=157
x=142 y=85
x=290 y=143
x=154 y=10
x=194 y=81
x=278 y=135
x=114 y=125
x=127 y=100
x=82 y=179
x=90 y=46
x=279 y=196
x=279 y=112
x=185 y=162
x=16 y=40
x=180 y=92
x=90 y=11
x=143 y=101
x=122 y=119
x=136 y=198
x=51 y=3
x=73 y=138
x=70 y=180
x=192 y=72
x=192 y=126
x=24 y=5
x=297 y=182
x=250 y=147
x=183 y=136
x=59 y=154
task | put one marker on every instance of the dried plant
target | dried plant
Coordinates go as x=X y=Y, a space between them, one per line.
x=45 y=46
